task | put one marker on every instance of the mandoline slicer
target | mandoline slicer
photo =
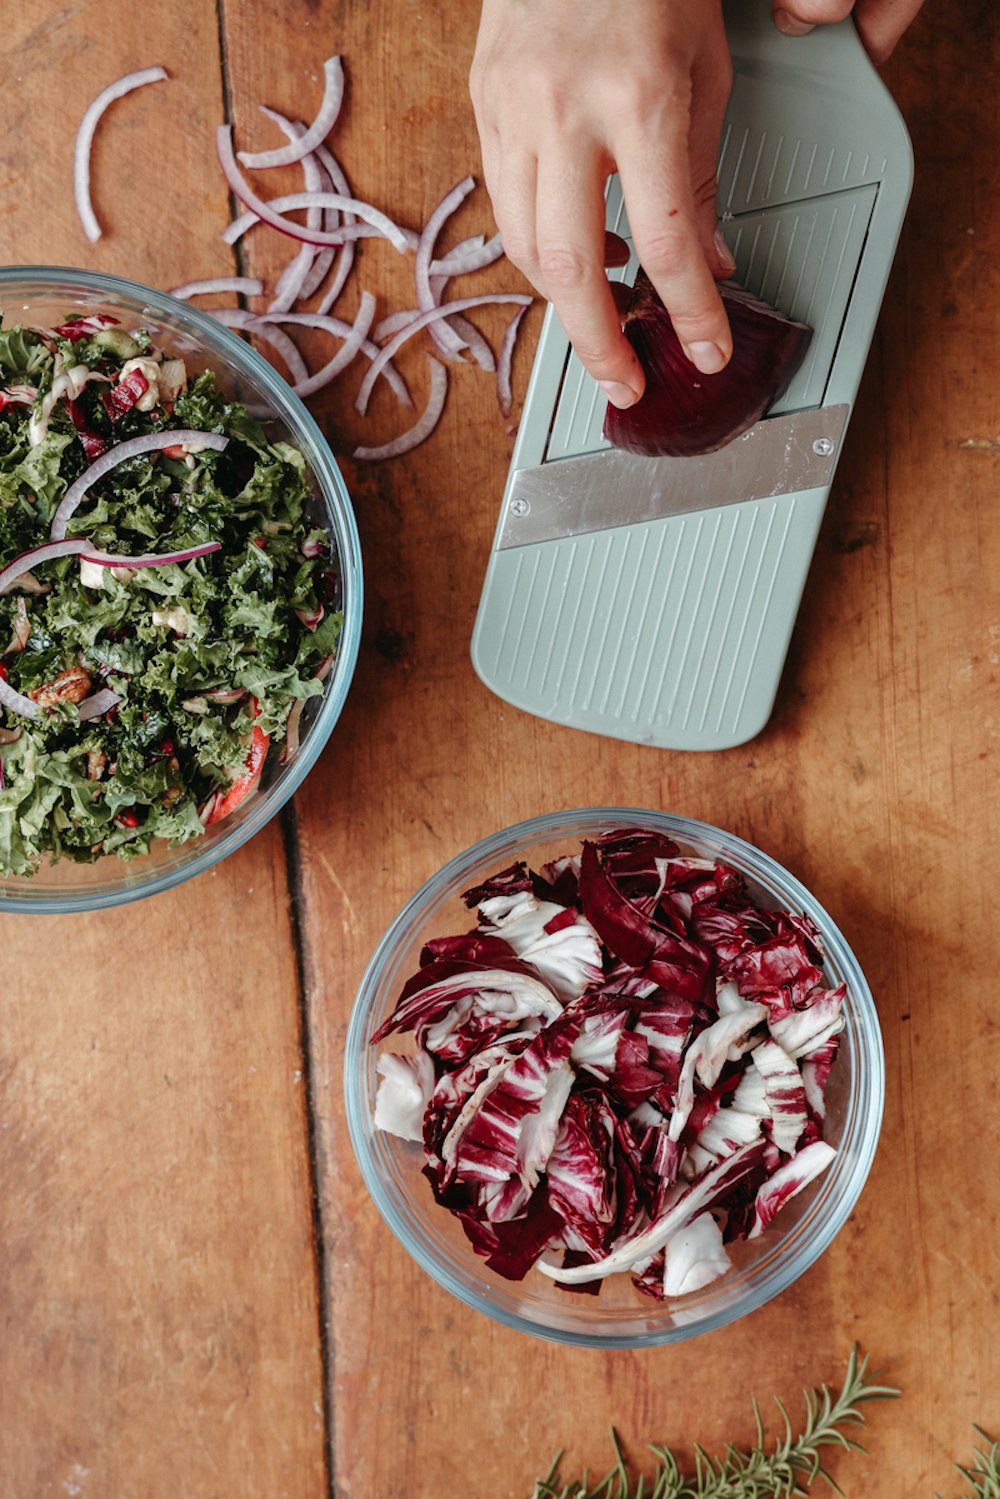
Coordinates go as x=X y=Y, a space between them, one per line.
x=652 y=599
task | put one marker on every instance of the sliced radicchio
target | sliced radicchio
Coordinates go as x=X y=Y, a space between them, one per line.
x=623 y=1067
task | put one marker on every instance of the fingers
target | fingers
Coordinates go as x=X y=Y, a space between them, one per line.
x=882 y=23
x=570 y=249
x=796 y=17
x=669 y=232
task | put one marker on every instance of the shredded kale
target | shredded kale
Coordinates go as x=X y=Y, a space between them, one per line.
x=167 y=639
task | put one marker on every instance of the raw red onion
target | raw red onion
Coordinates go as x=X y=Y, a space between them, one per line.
x=283 y=156
x=356 y=338
x=34 y=556
x=291 y=283
x=423 y=427
x=16 y=701
x=149 y=559
x=446 y=339
x=463 y=304
x=684 y=412
x=246 y=195
x=239 y=317
x=85 y=137
x=151 y=443
x=98 y=703
x=471 y=255
x=344 y=330
x=343 y=234
x=247 y=286
x=504 y=397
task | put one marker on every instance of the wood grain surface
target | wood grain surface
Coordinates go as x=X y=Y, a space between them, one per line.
x=179 y=1318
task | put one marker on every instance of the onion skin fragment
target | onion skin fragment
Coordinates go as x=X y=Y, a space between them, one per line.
x=684 y=413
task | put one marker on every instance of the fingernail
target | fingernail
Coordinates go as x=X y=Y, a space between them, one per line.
x=725 y=254
x=791 y=25
x=709 y=358
x=619 y=395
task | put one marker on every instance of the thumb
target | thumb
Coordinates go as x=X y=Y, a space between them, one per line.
x=796 y=17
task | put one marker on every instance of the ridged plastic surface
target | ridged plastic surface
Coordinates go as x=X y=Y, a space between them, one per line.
x=663 y=633
x=673 y=631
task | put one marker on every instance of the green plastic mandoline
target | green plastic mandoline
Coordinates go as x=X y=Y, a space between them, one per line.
x=653 y=599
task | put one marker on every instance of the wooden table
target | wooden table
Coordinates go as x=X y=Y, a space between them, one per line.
x=197 y=1297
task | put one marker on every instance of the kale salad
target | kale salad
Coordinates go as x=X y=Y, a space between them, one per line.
x=167 y=602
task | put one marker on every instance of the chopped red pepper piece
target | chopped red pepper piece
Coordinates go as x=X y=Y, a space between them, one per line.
x=128 y=818
x=241 y=789
x=125 y=394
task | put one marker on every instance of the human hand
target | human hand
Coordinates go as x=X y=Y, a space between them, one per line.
x=567 y=91
x=880 y=23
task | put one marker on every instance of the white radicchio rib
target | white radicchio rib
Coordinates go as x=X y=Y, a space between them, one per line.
x=687 y=1204
x=805 y=1031
x=787 y=1181
x=403 y=1094
x=567 y=953
x=694 y=1257
x=784 y=1093
x=709 y=1052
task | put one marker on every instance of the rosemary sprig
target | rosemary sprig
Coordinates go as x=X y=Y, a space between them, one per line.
x=985 y=1474
x=794 y=1462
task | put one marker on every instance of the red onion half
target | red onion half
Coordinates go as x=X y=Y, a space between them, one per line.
x=684 y=413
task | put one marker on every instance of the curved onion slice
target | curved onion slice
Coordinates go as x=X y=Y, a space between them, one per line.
x=446 y=338
x=471 y=255
x=153 y=442
x=308 y=262
x=85 y=137
x=98 y=703
x=248 y=286
x=263 y=210
x=333 y=96
x=423 y=427
x=47 y=552
x=463 y=304
x=239 y=317
x=344 y=234
x=149 y=559
x=684 y=412
x=341 y=329
x=504 y=397
x=92 y=707
x=351 y=346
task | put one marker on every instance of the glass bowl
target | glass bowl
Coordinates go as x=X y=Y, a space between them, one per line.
x=620 y=1317
x=48 y=295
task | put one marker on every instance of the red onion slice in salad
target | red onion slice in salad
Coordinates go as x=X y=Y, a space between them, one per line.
x=148 y=559
x=422 y=428
x=98 y=703
x=34 y=556
x=153 y=442
x=246 y=286
x=85 y=138
x=326 y=118
x=371 y=215
x=463 y=304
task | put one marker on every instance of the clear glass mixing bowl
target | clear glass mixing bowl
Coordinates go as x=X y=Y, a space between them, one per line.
x=47 y=295
x=620 y=1317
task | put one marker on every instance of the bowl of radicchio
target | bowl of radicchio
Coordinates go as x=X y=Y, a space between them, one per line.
x=614 y=1077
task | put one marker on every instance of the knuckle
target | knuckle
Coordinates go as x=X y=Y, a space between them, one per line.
x=667 y=252
x=820 y=12
x=520 y=249
x=563 y=269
